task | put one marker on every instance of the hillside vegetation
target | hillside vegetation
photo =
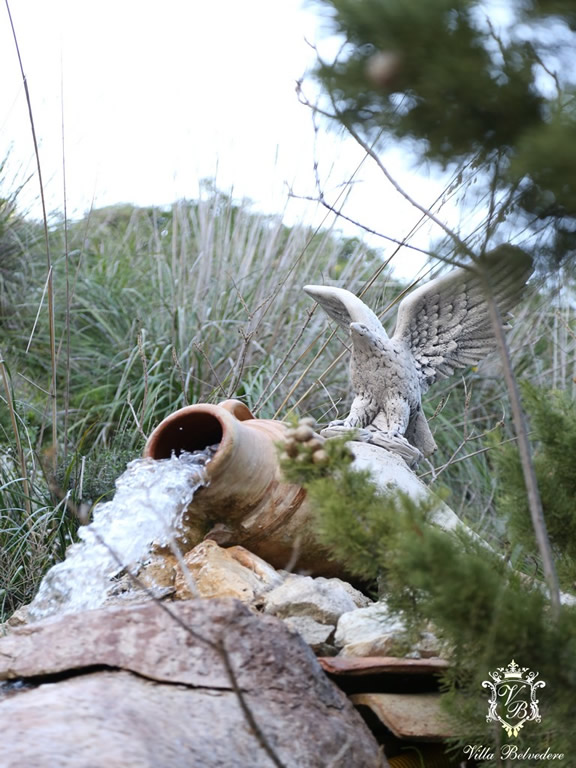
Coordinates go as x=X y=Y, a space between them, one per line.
x=158 y=308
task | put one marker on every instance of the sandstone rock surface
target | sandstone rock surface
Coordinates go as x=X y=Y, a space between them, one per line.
x=134 y=687
x=321 y=599
x=318 y=636
x=374 y=631
x=225 y=572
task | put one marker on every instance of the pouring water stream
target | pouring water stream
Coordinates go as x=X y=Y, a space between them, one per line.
x=146 y=511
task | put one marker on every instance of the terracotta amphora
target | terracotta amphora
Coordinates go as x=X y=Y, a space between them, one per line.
x=245 y=501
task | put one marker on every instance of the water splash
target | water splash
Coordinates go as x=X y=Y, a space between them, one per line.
x=147 y=509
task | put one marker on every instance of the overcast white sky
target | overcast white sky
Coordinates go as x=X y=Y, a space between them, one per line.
x=156 y=96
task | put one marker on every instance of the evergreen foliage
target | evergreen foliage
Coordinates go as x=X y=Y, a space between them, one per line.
x=553 y=421
x=489 y=88
x=444 y=67
x=484 y=611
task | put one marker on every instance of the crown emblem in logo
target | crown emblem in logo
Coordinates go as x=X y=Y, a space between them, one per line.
x=513 y=699
x=513 y=670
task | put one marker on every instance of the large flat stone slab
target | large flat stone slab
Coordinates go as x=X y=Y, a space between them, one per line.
x=135 y=687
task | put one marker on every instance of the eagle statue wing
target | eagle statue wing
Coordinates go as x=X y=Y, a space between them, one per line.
x=345 y=307
x=446 y=324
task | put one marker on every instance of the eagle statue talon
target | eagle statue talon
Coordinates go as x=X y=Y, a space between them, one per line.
x=339 y=429
x=441 y=326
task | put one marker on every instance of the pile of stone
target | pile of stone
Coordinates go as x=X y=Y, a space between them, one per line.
x=220 y=670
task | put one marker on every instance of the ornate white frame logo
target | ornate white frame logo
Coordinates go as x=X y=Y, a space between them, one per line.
x=513 y=699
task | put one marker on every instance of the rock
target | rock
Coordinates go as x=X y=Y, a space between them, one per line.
x=134 y=687
x=158 y=572
x=153 y=579
x=373 y=631
x=369 y=631
x=18 y=619
x=315 y=634
x=427 y=647
x=219 y=572
x=360 y=599
x=321 y=599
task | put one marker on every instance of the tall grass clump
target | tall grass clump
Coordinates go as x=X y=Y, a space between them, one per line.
x=153 y=309
x=157 y=308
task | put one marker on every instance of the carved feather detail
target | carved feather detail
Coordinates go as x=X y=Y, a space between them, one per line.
x=446 y=323
x=442 y=326
x=344 y=307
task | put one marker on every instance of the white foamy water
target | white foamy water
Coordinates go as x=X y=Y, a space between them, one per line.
x=147 y=509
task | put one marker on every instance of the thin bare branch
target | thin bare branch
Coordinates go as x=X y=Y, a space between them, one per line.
x=50 y=286
x=322 y=200
x=521 y=429
x=218 y=647
x=437 y=470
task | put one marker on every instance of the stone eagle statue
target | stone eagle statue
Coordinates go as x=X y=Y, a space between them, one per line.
x=441 y=326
